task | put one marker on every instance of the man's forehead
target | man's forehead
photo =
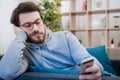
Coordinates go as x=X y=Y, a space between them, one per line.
x=28 y=17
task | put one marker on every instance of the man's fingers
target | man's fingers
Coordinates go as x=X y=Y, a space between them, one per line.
x=95 y=76
x=95 y=73
x=92 y=69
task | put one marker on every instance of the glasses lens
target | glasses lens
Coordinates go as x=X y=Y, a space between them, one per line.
x=38 y=22
x=28 y=25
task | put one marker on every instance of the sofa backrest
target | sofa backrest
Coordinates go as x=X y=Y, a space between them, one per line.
x=1 y=57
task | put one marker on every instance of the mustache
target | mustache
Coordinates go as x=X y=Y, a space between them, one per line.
x=36 y=32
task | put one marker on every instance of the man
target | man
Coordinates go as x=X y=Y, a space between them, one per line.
x=38 y=46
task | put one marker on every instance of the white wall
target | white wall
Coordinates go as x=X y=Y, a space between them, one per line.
x=6 y=28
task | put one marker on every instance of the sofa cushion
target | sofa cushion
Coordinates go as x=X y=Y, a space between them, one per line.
x=101 y=55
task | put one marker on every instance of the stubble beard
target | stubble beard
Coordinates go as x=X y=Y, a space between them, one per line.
x=36 y=37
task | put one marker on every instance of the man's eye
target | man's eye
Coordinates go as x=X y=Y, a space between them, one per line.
x=38 y=22
x=27 y=25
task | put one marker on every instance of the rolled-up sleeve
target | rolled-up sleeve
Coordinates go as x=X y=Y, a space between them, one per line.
x=14 y=62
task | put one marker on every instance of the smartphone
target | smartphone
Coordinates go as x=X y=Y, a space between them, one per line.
x=85 y=64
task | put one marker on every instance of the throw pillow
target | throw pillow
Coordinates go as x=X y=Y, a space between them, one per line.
x=101 y=55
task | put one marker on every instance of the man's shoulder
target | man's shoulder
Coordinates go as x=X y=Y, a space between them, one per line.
x=62 y=32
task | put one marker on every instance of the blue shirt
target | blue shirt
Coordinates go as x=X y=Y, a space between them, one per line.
x=60 y=50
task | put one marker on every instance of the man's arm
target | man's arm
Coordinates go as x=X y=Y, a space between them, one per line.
x=79 y=53
x=13 y=62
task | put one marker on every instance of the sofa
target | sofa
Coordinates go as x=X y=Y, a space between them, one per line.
x=116 y=66
x=111 y=67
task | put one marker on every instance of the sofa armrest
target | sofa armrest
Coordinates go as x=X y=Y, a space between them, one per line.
x=46 y=76
x=116 y=66
x=54 y=76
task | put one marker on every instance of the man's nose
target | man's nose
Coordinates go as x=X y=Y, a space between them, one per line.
x=35 y=27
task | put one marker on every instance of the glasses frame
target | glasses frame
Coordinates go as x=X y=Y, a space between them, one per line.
x=31 y=24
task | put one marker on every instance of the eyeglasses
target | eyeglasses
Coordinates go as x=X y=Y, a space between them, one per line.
x=30 y=25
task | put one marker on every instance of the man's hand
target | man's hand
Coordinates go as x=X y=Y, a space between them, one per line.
x=96 y=73
x=17 y=29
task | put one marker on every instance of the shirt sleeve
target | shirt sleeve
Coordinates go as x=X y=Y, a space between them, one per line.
x=78 y=52
x=14 y=62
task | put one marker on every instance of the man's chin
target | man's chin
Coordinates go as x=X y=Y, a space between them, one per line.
x=37 y=41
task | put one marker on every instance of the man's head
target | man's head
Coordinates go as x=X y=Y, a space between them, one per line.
x=28 y=17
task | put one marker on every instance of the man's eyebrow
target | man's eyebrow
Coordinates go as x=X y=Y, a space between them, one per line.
x=37 y=19
x=34 y=21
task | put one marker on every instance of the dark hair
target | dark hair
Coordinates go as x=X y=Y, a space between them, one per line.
x=23 y=7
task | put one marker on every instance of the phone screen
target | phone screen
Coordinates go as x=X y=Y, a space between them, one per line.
x=86 y=64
